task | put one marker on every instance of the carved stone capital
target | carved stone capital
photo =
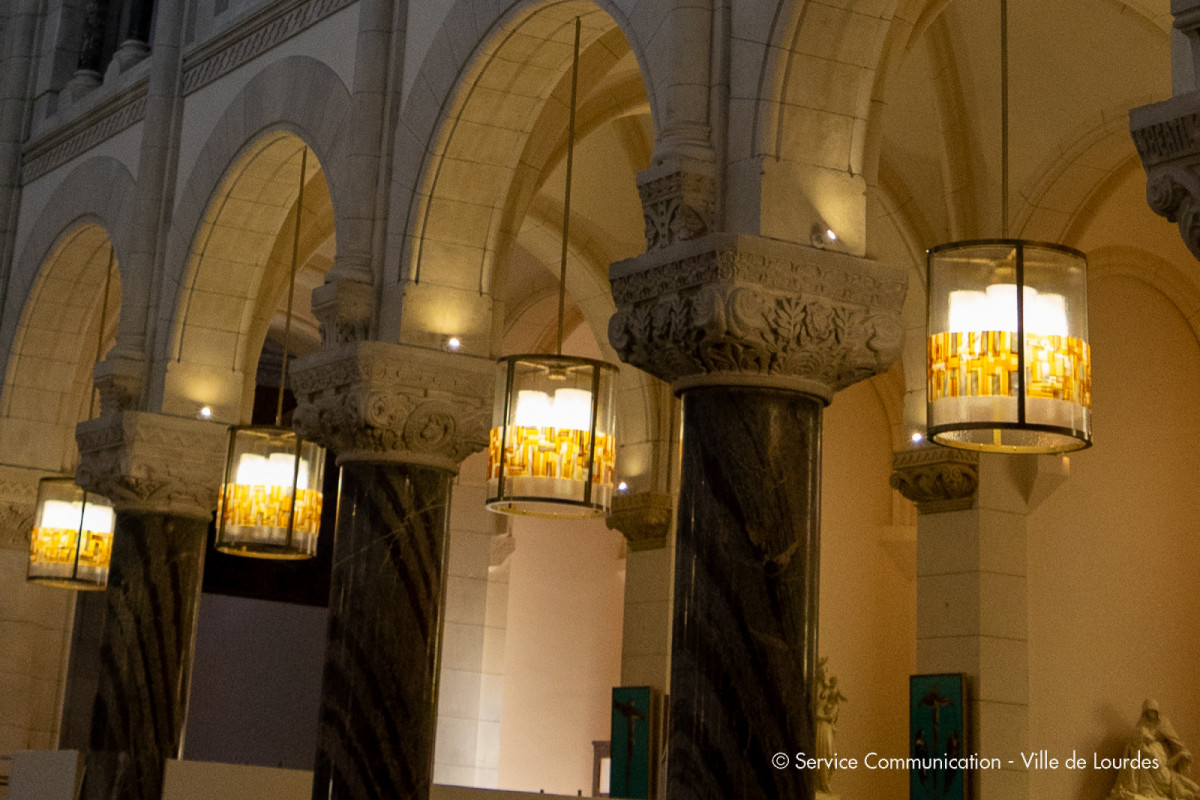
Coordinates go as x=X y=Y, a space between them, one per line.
x=153 y=464
x=120 y=380
x=18 y=500
x=644 y=518
x=742 y=310
x=344 y=308
x=678 y=203
x=379 y=402
x=1167 y=136
x=936 y=478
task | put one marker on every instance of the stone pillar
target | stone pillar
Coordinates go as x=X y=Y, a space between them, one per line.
x=1167 y=136
x=644 y=518
x=20 y=33
x=401 y=420
x=756 y=335
x=972 y=600
x=162 y=475
x=88 y=70
x=136 y=16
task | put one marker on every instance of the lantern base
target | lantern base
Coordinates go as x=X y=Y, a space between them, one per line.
x=256 y=551
x=991 y=437
x=545 y=508
x=68 y=583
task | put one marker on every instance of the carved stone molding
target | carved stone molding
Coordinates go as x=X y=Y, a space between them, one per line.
x=677 y=204
x=153 y=464
x=1167 y=136
x=380 y=402
x=259 y=33
x=18 y=499
x=105 y=120
x=344 y=308
x=936 y=478
x=741 y=310
x=644 y=518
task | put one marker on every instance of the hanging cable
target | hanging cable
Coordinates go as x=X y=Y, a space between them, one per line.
x=566 y=226
x=287 y=321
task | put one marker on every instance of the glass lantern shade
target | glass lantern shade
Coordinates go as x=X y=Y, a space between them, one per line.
x=270 y=501
x=71 y=543
x=1008 y=357
x=552 y=450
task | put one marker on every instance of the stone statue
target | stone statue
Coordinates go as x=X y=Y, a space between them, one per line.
x=1155 y=762
x=826 y=699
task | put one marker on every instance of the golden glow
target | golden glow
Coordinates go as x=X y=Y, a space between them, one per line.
x=269 y=507
x=557 y=453
x=66 y=529
x=985 y=364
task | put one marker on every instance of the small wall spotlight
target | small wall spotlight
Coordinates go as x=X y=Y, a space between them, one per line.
x=453 y=344
x=205 y=412
x=822 y=235
x=622 y=487
x=918 y=437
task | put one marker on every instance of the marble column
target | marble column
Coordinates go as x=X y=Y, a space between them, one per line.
x=162 y=475
x=378 y=700
x=401 y=420
x=744 y=640
x=756 y=335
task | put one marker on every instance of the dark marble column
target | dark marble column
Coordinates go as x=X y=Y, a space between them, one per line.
x=91 y=45
x=145 y=655
x=161 y=474
x=743 y=651
x=379 y=694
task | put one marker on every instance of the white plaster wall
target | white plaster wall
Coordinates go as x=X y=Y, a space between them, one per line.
x=563 y=653
x=1113 y=553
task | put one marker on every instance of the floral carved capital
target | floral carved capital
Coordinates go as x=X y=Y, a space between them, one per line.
x=742 y=310
x=153 y=464
x=936 y=478
x=378 y=402
x=1167 y=137
x=644 y=518
x=677 y=204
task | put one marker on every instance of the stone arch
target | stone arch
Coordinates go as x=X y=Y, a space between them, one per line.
x=238 y=185
x=51 y=312
x=499 y=83
x=101 y=191
x=467 y=178
x=1156 y=272
x=63 y=326
x=812 y=103
x=1051 y=207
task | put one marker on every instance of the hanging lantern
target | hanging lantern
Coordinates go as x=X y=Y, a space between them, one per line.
x=71 y=543
x=1009 y=361
x=270 y=501
x=552 y=452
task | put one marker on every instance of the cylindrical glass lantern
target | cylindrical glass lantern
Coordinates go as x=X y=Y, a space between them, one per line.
x=71 y=543
x=270 y=502
x=552 y=450
x=1009 y=361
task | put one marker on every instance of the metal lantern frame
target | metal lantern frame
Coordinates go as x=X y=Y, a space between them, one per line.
x=1022 y=434
x=595 y=502
x=263 y=546
x=597 y=488
x=293 y=546
x=82 y=553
